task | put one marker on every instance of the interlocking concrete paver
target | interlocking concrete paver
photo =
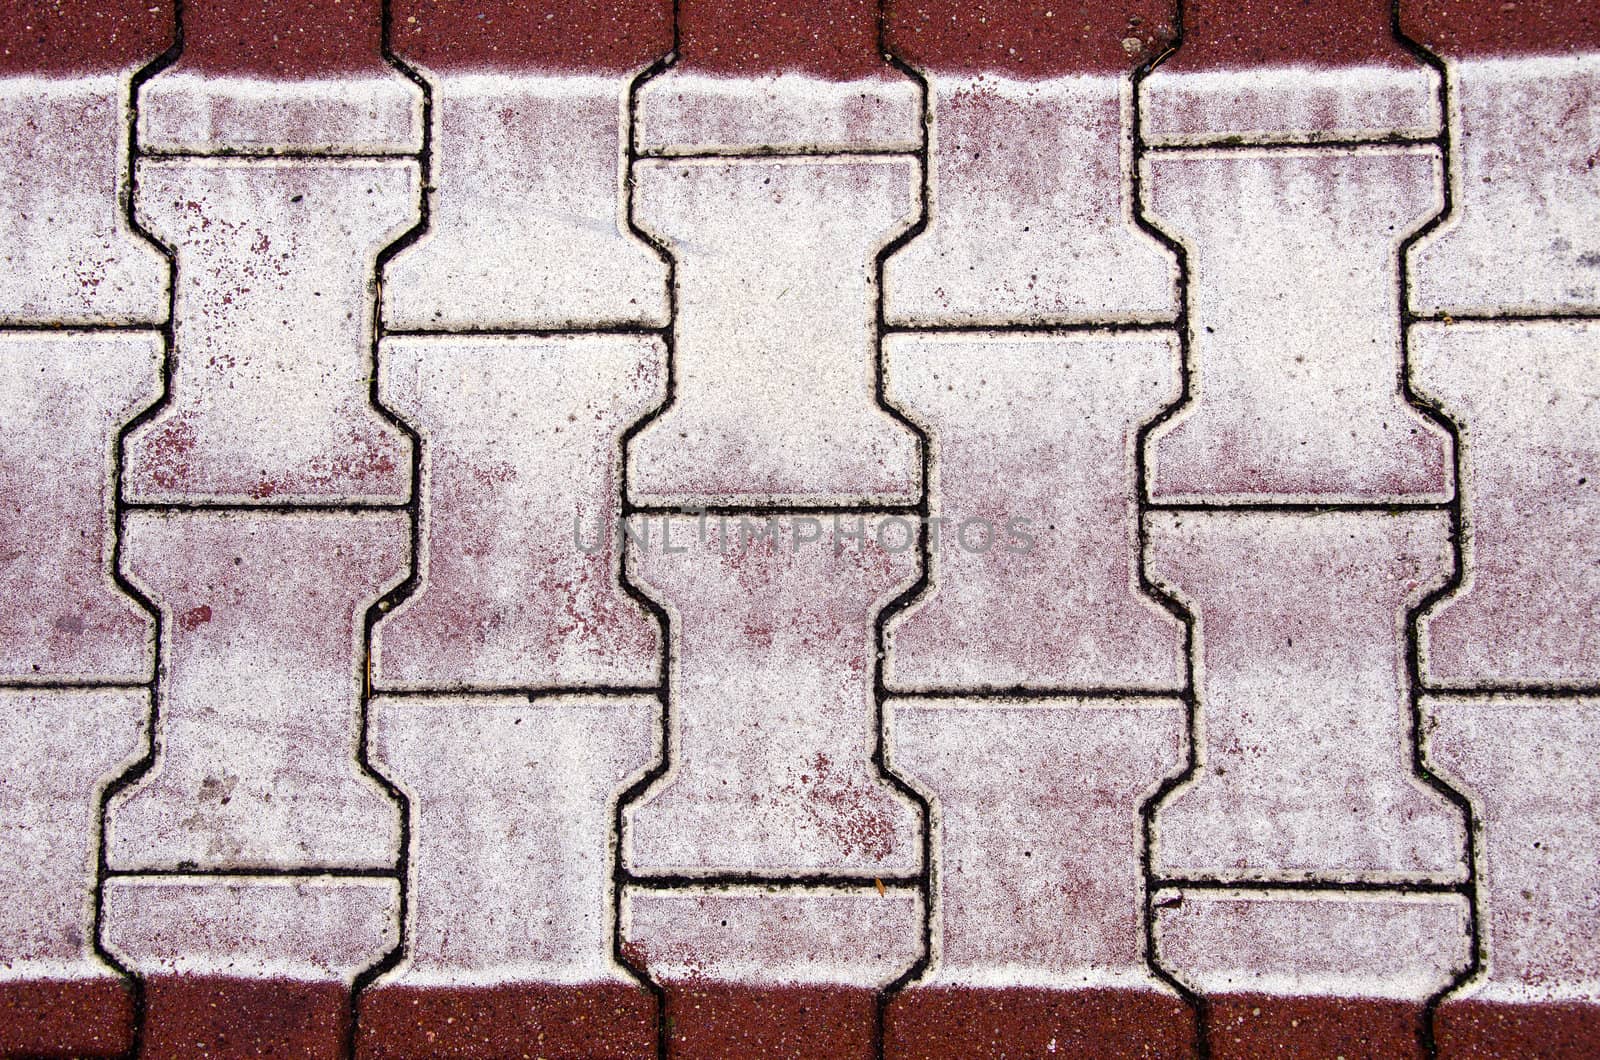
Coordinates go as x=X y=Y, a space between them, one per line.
x=193 y=113
x=756 y=75
x=302 y=929
x=1295 y=326
x=258 y=712
x=521 y=463
x=525 y=229
x=1258 y=956
x=1030 y=210
x=1305 y=766
x=1524 y=398
x=273 y=331
x=762 y=974
x=523 y=895
x=1251 y=70
x=1035 y=579
x=1024 y=902
x=1031 y=217
x=1521 y=238
x=685 y=113
x=1286 y=943
x=248 y=966
x=771 y=706
x=63 y=398
x=70 y=255
x=770 y=256
x=530 y=118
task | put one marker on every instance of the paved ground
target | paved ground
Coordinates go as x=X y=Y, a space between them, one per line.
x=752 y=529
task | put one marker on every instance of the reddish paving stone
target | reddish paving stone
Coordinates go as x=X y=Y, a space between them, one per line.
x=275 y=76
x=763 y=972
x=70 y=256
x=1320 y=970
x=1029 y=40
x=1303 y=697
x=598 y=1021
x=1538 y=812
x=753 y=82
x=976 y=1023
x=758 y=622
x=56 y=747
x=1525 y=158
x=1461 y=28
x=66 y=1018
x=589 y=36
x=728 y=1022
x=1234 y=34
x=507 y=914
x=1485 y=1030
x=282 y=38
x=1296 y=335
x=75 y=37
x=215 y=1018
x=1022 y=899
x=835 y=39
x=1261 y=1026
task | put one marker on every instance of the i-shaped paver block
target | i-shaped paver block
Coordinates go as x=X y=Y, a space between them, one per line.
x=63 y=397
x=520 y=544
x=258 y=704
x=751 y=971
x=775 y=362
x=273 y=336
x=1527 y=404
x=1034 y=573
x=1295 y=355
x=771 y=720
x=1266 y=72
x=1520 y=237
x=1030 y=212
x=58 y=748
x=69 y=255
x=267 y=77
x=1528 y=766
x=527 y=228
x=511 y=811
x=1304 y=768
x=1039 y=834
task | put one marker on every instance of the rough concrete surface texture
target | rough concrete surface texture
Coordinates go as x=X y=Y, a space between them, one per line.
x=873 y=529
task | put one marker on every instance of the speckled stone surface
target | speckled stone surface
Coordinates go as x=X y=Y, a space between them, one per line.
x=883 y=529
